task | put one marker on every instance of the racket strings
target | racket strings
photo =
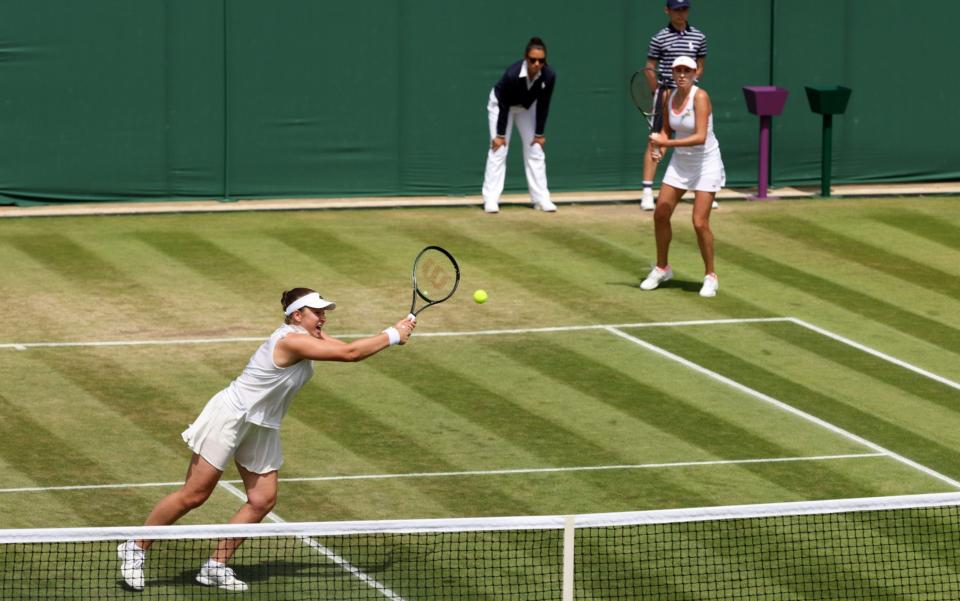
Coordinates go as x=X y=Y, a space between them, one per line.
x=642 y=97
x=436 y=277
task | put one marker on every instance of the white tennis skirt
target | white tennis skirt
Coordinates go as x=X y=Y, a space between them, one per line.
x=219 y=434
x=702 y=173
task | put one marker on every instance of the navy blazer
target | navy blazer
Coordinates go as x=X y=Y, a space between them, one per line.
x=512 y=90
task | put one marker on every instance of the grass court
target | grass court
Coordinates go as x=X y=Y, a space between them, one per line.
x=827 y=367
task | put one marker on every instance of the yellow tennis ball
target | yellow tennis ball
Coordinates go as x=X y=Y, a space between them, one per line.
x=480 y=297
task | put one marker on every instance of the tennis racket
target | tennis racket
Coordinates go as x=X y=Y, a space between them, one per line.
x=648 y=105
x=436 y=276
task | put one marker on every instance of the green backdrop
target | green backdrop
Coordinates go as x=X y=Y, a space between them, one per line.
x=143 y=99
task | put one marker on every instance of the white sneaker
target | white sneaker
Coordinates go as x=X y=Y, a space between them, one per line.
x=491 y=206
x=646 y=201
x=657 y=276
x=220 y=576
x=546 y=206
x=715 y=205
x=710 y=286
x=131 y=564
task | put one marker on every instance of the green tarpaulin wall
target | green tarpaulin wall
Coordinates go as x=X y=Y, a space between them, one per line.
x=141 y=99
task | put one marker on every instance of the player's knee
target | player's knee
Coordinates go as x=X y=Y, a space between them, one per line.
x=701 y=224
x=192 y=499
x=662 y=213
x=262 y=503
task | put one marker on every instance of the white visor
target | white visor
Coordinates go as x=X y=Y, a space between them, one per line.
x=684 y=61
x=312 y=300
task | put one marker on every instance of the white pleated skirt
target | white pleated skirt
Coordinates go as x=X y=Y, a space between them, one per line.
x=702 y=173
x=218 y=434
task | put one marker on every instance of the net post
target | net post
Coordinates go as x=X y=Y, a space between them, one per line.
x=569 y=535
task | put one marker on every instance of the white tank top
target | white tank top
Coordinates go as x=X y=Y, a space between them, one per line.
x=684 y=123
x=263 y=392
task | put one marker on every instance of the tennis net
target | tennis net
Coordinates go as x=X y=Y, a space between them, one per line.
x=877 y=548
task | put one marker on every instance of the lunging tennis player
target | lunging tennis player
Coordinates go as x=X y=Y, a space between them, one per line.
x=242 y=422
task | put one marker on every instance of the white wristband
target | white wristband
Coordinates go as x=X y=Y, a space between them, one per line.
x=393 y=335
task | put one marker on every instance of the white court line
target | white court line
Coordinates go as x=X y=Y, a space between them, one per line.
x=22 y=346
x=73 y=487
x=533 y=470
x=785 y=407
x=323 y=550
x=594 y=468
x=871 y=351
x=648 y=324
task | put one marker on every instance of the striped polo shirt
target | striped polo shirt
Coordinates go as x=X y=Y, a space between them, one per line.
x=668 y=43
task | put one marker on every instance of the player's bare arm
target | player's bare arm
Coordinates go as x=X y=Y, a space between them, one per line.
x=296 y=347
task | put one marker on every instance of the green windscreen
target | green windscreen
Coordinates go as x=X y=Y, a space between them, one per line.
x=120 y=100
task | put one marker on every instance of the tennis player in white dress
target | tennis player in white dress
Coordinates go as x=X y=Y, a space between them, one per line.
x=242 y=423
x=695 y=165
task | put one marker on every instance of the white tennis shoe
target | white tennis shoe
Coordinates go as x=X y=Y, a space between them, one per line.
x=131 y=564
x=491 y=206
x=657 y=276
x=220 y=576
x=710 y=286
x=545 y=205
x=646 y=201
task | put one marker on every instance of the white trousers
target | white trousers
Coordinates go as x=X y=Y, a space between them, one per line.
x=534 y=159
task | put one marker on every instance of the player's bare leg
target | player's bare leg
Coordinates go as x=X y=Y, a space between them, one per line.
x=663 y=230
x=702 y=204
x=202 y=478
x=261 y=492
x=200 y=482
x=666 y=204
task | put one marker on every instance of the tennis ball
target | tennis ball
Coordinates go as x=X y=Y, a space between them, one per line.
x=480 y=297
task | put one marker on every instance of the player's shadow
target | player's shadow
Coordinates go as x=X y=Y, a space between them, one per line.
x=248 y=573
x=685 y=285
x=276 y=570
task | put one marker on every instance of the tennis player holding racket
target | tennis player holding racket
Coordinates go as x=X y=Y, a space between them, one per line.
x=678 y=38
x=242 y=422
x=695 y=165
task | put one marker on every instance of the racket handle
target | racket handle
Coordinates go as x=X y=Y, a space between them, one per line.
x=412 y=317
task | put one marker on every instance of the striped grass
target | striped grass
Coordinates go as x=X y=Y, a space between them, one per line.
x=528 y=418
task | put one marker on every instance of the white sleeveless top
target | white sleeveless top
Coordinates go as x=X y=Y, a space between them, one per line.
x=263 y=392
x=684 y=123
